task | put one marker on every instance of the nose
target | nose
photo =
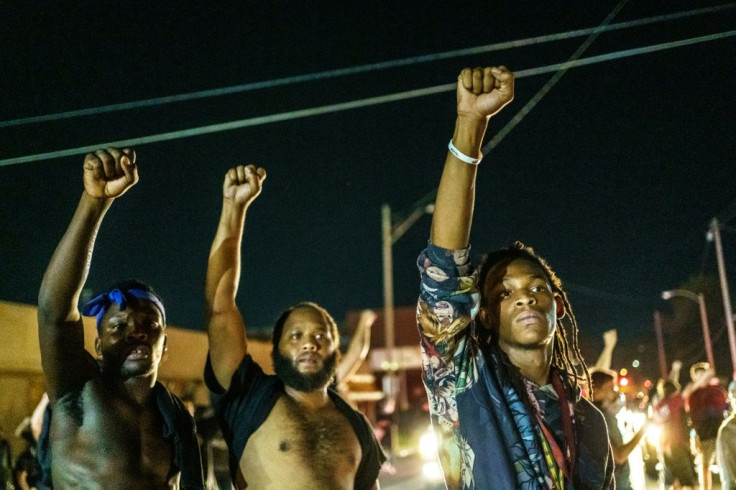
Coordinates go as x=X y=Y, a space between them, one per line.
x=137 y=334
x=524 y=298
x=309 y=345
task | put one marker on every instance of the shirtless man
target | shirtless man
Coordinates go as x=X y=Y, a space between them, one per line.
x=287 y=430
x=113 y=425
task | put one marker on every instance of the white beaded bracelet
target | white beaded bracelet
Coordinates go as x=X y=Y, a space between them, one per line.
x=462 y=156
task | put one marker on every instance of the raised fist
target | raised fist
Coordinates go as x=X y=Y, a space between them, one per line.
x=482 y=92
x=243 y=183
x=610 y=337
x=109 y=173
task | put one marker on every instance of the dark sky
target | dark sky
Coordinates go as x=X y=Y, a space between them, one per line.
x=613 y=176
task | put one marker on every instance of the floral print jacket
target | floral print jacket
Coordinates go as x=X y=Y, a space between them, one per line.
x=487 y=437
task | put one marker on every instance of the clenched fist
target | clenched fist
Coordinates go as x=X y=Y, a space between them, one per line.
x=243 y=184
x=482 y=92
x=109 y=173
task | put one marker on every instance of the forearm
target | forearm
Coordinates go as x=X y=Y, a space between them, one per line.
x=69 y=266
x=621 y=453
x=604 y=360
x=453 y=212
x=223 y=268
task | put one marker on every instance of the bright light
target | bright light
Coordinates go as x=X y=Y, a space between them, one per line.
x=428 y=445
x=653 y=433
x=623 y=381
x=623 y=372
x=647 y=384
x=635 y=363
x=432 y=471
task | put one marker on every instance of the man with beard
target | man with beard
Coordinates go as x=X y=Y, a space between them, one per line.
x=287 y=430
x=113 y=425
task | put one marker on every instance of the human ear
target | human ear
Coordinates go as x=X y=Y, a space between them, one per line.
x=485 y=316
x=98 y=347
x=560 y=307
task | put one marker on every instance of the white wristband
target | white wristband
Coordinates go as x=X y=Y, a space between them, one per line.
x=462 y=156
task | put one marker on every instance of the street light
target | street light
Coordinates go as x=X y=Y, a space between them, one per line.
x=700 y=299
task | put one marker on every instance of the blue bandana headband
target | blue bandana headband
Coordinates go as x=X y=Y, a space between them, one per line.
x=98 y=305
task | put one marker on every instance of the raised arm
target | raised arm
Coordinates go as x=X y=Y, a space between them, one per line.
x=107 y=174
x=610 y=338
x=357 y=349
x=481 y=93
x=225 y=325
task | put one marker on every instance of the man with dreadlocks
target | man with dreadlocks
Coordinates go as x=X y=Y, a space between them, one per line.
x=499 y=365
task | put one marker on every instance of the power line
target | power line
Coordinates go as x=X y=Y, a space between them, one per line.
x=343 y=106
x=357 y=69
x=500 y=135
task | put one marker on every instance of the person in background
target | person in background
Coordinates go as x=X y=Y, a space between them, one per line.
x=706 y=405
x=726 y=444
x=606 y=398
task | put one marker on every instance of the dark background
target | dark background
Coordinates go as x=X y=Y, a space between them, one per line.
x=613 y=177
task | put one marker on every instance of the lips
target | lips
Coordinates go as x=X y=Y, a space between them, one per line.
x=529 y=317
x=138 y=352
x=308 y=359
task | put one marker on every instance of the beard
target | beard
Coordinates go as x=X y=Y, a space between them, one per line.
x=291 y=377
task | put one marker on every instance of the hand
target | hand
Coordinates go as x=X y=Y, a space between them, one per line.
x=109 y=173
x=610 y=337
x=676 y=365
x=367 y=317
x=482 y=92
x=243 y=184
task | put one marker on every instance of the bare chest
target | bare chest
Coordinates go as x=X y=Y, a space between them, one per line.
x=103 y=441
x=318 y=450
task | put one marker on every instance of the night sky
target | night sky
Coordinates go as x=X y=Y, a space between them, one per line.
x=613 y=176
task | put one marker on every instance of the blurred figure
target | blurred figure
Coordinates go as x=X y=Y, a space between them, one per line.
x=6 y=470
x=726 y=444
x=679 y=468
x=606 y=398
x=706 y=405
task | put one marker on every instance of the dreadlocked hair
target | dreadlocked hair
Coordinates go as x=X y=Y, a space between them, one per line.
x=566 y=356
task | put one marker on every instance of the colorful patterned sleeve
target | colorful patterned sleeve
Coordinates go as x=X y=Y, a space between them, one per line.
x=448 y=302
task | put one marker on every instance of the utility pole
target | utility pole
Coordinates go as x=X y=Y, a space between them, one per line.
x=391 y=230
x=660 y=345
x=714 y=235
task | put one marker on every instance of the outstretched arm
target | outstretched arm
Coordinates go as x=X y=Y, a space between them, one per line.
x=225 y=325
x=357 y=349
x=610 y=337
x=107 y=174
x=481 y=93
x=621 y=453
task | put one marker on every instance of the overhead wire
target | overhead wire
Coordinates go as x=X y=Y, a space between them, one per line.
x=321 y=75
x=556 y=77
x=343 y=106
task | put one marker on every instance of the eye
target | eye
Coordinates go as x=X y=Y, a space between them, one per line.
x=504 y=294
x=319 y=336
